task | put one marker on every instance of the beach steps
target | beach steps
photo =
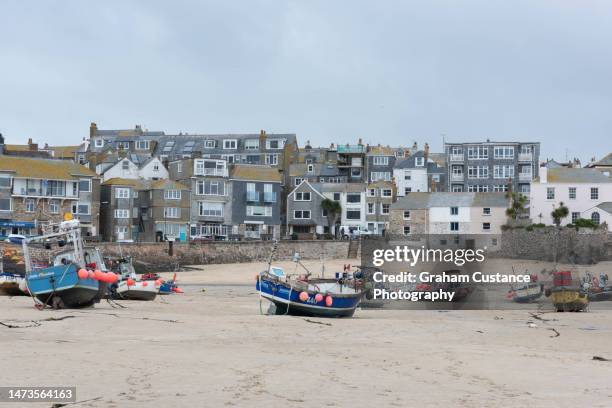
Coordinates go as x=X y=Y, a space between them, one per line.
x=353 y=248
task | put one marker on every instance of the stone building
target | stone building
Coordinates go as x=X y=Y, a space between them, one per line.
x=379 y=197
x=36 y=191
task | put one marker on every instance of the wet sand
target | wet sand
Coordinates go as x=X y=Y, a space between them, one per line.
x=212 y=348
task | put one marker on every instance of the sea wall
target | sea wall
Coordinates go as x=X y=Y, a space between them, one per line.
x=566 y=245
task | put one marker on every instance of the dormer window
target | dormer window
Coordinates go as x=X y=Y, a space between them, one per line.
x=419 y=161
x=230 y=144
x=99 y=142
x=209 y=144
x=310 y=168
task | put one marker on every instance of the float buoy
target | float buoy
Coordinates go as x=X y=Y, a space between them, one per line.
x=303 y=296
x=329 y=301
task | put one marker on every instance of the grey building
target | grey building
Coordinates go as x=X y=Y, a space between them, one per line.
x=380 y=161
x=255 y=201
x=491 y=166
x=419 y=173
x=305 y=217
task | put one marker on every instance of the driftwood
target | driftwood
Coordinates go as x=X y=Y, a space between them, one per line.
x=557 y=334
x=598 y=358
x=33 y=323
x=315 y=322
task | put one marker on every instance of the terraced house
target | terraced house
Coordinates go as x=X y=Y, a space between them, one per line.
x=144 y=210
x=37 y=191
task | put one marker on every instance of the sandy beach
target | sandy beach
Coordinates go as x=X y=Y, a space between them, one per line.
x=211 y=347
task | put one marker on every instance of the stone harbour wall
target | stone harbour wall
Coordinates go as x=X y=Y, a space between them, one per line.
x=566 y=245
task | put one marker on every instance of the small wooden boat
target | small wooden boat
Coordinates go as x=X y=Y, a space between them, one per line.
x=66 y=283
x=136 y=290
x=565 y=296
x=9 y=284
x=600 y=294
x=526 y=294
x=166 y=287
x=308 y=297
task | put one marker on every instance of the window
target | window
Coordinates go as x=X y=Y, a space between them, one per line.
x=371 y=192
x=355 y=173
x=30 y=206
x=172 y=194
x=207 y=187
x=594 y=193
x=575 y=216
x=230 y=144
x=5 y=182
x=209 y=144
x=371 y=209
x=353 y=215
x=486 y=211
x=301 y=214
x=208 y=209
x=260 y=211
x=486 y=226
x=595 y=218
x=454 y=226
x=142 y=145
x=478 y=172
x=407 y=175
x=572 y=193
x=386 y=192
x=310 y=168
x=353 y=198
x=550 y=193
x=384 y=209
x=298 y=181
x=380 y=175
x=55 y=188
x=122 y=193
x=99 y=142
x=456 y=188
x=302 y=196
x=80 y=208
x=407 y=230
x=135 y=195
x=172 y=212
x=478 y=188
x=336 y=196
x=123 y=145
x=272 y=159
x=85 y=186
x=5 y=204
x=179 y=167
x=419 y=161
x=380 y=160
x=53 y=206
x=251 y=144
x=156 y=167
x=407 y=190
x=500 y=188
x=454 y=210
x=478 y=152
x=125 y=165
x=506 y=171
x=324 y=213
x=275 y=143
x=406 y=215
x=494 y=241
x=503 y=152
x=122 y=213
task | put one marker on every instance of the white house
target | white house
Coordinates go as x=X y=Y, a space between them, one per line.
x=418 y=173
x=151 y=169
x=587 y=193
x=352 y=198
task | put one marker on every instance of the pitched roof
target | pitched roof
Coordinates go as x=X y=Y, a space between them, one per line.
x=64 y=152
x=381 y=151
x=409 y=163
x=606 y=161
x=47 y=169
x=417 y=201
x=141 y=184
x=166 y=184
x=607 y=207
x=255 y=173
x=343 y=187
x=571 y=175
x=118 y=181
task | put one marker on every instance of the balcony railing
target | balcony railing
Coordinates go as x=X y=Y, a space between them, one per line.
x=252 y=196
x=206 y=171
x=525 y=157
x=525 y=176
x=270 y=197
x=456 y=157
x=215 y=230
x=457 y=177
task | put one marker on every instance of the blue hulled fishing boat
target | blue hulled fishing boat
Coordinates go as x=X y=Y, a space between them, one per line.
x=305 y=296
x=67 y=282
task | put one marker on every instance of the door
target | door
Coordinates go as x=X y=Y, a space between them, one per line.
x=183 y=233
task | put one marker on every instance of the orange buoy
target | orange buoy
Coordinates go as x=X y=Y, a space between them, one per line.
x=110 y=277
x=145 y=283
x=303 y=296
x=328 y=301
x=82 y=274
x=318 y=297
x=158 y=282
x=91 y=274
x=98 y=275
x=130 y=282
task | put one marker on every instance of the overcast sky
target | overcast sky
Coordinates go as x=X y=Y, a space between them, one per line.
x=390 y=72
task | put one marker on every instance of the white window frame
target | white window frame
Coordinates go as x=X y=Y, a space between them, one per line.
x=172 y=212
x=99 y=142
x=172 y=194
x=503 y=152
x=571 y=193
x=122 y=213
x=142 y=145
x=550 y=193
x=251 y=144
x=301 y=196
x=380 y=160
x=228 y=143
x=406 y=214
x=122 y=192
x=301 y=213
x=594 y=193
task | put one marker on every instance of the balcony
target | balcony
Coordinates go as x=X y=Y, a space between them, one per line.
x=457 y=177
x=525 y=157
x=456 y=157
x=525 y=176
x=212 y=172
x=252 y=196
x=270 y=197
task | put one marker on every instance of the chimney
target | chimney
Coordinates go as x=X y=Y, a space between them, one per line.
x=415 y=146
x=426 y=151
x=1 y=144
x=360 y=142
x=262 y=139
x=308 y=146
x=138 y=128
x=33 y=147
x=544 y=175
x=93 y=129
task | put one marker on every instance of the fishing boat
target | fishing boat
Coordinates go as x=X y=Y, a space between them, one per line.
x=166 y=287
x=129 y=287
x=9 y=284
x=527 y=293
x=66 y=282
x=599 y=290
x=302 y=295
x=565 y=296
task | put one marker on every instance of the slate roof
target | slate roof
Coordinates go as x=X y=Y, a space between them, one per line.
x=409 y=163
x=418 y=201
x=607 y=207
x=570 y=175
x=255 y=173
x=606 y=161
x=47 y=169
